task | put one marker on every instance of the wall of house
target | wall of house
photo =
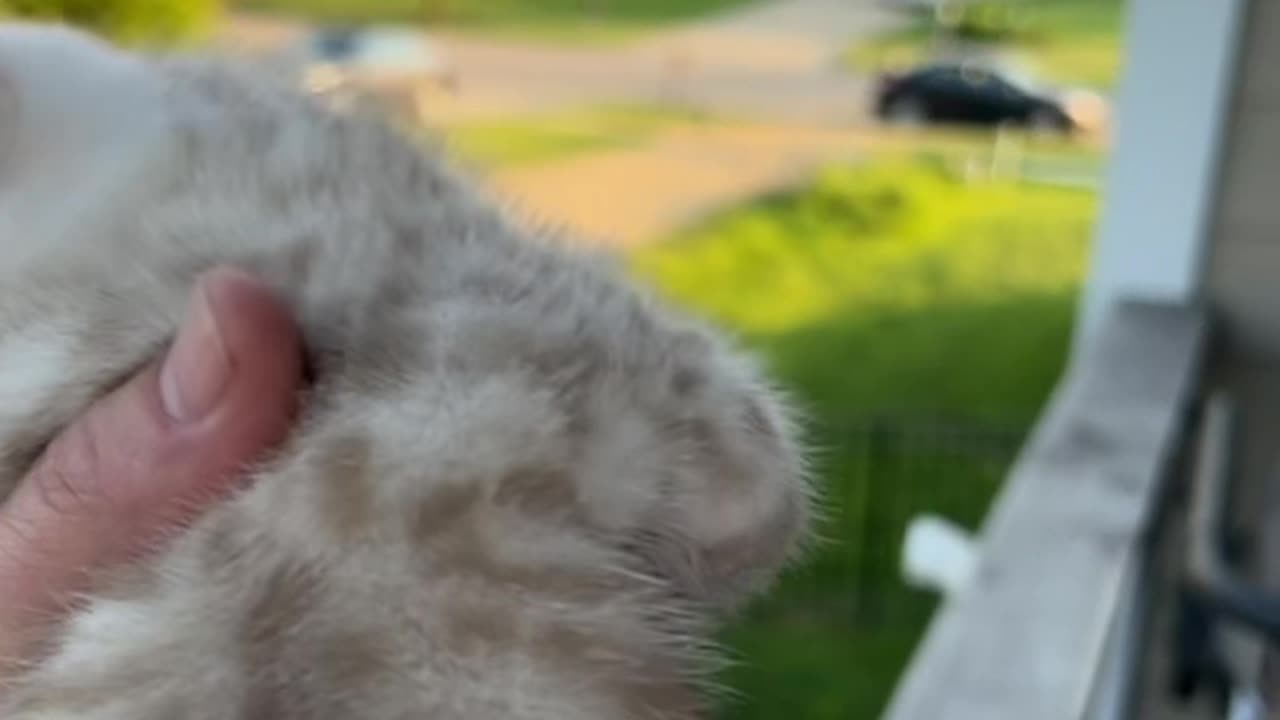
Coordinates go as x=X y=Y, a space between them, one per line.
x=1243 y=272
x=1243 y=280
x=1242 y=283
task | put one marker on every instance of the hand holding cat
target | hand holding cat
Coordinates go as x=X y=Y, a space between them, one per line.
x=150 y=456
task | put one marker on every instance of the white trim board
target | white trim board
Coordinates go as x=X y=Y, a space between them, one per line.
x=1172 y=110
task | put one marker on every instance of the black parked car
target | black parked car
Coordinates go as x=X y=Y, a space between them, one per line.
x=969 y=94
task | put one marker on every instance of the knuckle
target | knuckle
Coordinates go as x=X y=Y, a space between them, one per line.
x=68 y=479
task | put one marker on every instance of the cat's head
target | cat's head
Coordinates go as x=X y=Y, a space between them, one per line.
x=89 y=134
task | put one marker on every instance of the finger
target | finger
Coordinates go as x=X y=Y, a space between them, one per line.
x=152 y=454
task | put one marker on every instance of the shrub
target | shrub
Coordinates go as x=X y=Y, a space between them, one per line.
x=983 y=22
x=135 y=22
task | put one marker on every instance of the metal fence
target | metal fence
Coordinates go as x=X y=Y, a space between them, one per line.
x=879 y=473
x=806 y=650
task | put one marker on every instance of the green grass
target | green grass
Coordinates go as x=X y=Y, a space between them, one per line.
x=577 y=21
x=893 y=236
x=555 y=136
x=888 y=291
x=1068 y=41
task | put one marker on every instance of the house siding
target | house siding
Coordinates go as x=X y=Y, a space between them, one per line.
x=1243 y=279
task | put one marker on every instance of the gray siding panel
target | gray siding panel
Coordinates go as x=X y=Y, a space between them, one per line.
x=1247 y=294
x=1244 y=257
x=1260 y=72
x=1249 y=191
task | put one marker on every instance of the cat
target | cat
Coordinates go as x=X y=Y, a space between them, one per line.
x=521 y=487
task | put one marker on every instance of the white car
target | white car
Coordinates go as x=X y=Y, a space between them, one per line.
x=391 y=64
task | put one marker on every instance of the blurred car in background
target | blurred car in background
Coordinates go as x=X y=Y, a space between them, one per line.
x=968 y=92
x=399 y=67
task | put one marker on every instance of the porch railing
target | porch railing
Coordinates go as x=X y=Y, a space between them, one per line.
x=1043 y=628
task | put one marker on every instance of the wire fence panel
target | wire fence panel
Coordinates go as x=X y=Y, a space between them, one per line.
x=830 y=641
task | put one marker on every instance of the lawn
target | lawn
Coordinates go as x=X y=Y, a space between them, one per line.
x=1067 y=41
x=555 y=136
x=578 y=21
x=920 y=322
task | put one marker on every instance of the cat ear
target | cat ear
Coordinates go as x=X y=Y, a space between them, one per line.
x=740 y=506
x=713 y=483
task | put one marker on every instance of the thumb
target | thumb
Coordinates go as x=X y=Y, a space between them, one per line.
x=150 y=455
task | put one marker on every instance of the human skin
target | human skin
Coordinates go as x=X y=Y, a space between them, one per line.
x=148 y=457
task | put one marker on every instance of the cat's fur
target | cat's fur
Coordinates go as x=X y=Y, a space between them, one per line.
x=518 y=490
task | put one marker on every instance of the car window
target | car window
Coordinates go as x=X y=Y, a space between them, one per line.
x=1020 y=79
x=938 y=77
x=1004 y=87
x=335 y=45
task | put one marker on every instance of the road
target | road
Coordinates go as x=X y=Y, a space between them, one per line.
x=628 y=196
x=773 y=67
x=776 y=61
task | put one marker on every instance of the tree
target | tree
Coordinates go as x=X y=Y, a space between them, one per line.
x=136 y=22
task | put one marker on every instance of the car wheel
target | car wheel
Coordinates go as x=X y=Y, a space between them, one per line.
x=906 y=112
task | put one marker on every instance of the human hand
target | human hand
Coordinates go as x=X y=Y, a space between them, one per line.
x=149 y=457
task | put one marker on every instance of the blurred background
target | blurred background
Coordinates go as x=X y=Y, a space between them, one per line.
x=891 y=200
